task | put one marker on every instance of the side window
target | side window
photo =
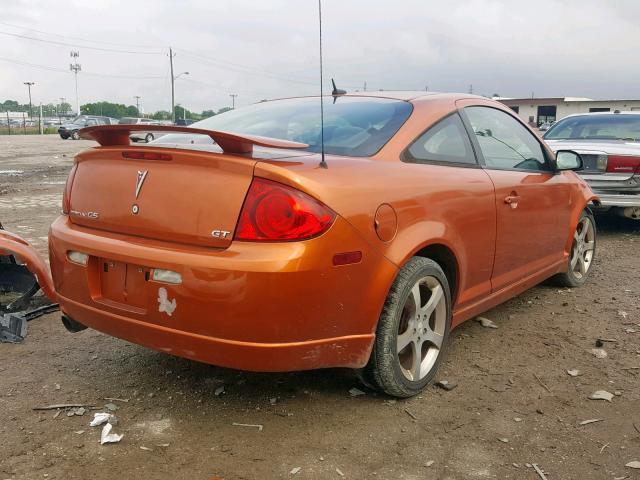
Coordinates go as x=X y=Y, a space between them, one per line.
x=447 y=141
x=504 y=142
x=91 y=122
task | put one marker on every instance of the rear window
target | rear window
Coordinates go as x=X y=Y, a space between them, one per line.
x=128 y=121
x=353 y=126
x=597 y=127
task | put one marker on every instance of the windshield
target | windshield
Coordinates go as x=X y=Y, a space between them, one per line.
x=128 y=121
x=596 y=127
x=353 y=126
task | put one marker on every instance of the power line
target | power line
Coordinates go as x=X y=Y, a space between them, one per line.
x=75 y=45
x=245 y=68
x=55 y=69
x=78 y=38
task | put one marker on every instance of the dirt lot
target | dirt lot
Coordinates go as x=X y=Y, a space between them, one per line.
x=515 y=404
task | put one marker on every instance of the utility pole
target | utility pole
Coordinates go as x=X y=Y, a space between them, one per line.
x=29 y=84
x=173 y=93
x=75 y=68
x=233 y=100
x=62 y=99
x=470 y=88
x=364 y=89
x=137 y=97
x=173 y=79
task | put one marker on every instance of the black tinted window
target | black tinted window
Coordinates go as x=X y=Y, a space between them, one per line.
x=597 y=127
x=353 y=126
x=446 y=141
x=504 y=142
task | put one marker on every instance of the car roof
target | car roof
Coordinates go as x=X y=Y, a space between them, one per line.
x=595 y=114
x=404 y=95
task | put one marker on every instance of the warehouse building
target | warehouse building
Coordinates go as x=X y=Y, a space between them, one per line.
x=536 y=111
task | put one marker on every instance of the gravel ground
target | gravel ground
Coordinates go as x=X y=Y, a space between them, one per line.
x=515 y=408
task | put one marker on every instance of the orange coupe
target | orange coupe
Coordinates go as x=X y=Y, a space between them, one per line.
x=231 y=242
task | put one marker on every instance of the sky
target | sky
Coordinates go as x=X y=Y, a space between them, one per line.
x=269 y=49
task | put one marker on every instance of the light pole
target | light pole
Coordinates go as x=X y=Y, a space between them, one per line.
x=173 y=96
x=62 y=99
x=75 y=68
x=233 y=100
x=173 y=79
x=29 y=84
x=137 y=97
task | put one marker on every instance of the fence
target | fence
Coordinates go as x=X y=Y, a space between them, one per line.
x=24 y=125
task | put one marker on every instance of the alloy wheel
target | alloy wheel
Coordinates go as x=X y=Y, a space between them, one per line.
x=583 y=247
x=421 y=328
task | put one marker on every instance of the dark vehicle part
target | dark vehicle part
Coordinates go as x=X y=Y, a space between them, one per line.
x=13 y=326
x=71 y=325
x=20 y=271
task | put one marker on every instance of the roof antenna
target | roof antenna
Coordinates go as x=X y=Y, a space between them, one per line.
x=336 y=91
x=323 y=164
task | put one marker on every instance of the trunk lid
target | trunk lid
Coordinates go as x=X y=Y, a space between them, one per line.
x=184 y=196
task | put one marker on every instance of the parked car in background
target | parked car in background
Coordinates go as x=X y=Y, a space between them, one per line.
x=71 y=129
x=609 y=144
x=272 y=251
x=545 y=126
x=184 y=121
x=140 y=136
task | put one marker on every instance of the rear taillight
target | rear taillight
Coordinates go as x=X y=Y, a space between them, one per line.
x=276 y=212
x=66 y=195
x=623 y=164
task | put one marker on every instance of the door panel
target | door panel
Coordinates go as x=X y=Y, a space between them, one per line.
x=532 y=214
x=532 y=202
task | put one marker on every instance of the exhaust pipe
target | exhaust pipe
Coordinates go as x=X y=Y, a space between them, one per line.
x=71 y=325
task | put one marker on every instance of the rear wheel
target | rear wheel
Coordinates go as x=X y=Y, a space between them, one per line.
x=75 y=135
x=583 y=249
x=64 y=137
x=413 y=330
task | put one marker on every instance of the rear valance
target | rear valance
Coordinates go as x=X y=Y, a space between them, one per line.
x=114 y=135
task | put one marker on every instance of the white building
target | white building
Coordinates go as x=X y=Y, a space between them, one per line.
x=537 y=111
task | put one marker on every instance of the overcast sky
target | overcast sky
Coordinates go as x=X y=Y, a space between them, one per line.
x=265 y=49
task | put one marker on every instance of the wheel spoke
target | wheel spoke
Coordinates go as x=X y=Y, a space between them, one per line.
x=585 y=229
x=415 y=293
x=405 y=339
x=417 y=361
x=430 y=306
x=574 y=259
x=582 y=265
x=588 y=246
x=432 y=337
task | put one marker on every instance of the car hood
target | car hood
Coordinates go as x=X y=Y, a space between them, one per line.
x=612 y=147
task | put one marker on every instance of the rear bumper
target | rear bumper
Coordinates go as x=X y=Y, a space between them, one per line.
x=252 y=306
x=347 y=351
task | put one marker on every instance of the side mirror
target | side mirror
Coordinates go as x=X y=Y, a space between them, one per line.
x=568 y=160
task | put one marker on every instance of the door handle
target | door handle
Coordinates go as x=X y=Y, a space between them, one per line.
x=512 y=200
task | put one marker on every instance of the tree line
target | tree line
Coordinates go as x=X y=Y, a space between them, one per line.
x=108 y=109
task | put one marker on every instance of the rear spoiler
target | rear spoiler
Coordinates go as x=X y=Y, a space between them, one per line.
x=118 y=135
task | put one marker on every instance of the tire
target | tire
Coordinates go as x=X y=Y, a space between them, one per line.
x=75 y=135
x=148 y=137
x=64 y=137
x=583 y=250
x=393 y=368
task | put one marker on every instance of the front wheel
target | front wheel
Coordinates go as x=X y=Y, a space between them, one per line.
x=583 y=250
x=412 y=331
